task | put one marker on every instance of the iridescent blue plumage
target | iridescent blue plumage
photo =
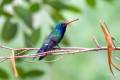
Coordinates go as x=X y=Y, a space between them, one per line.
x=53 y=39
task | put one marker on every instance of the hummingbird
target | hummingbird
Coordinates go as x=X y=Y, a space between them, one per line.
x=54 y=38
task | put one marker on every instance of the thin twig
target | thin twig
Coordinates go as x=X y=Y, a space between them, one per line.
x=96 y=42
x=57 y=51
x=5 y=47
x=13 y=62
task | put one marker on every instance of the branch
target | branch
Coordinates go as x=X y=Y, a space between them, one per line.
x=58 y=51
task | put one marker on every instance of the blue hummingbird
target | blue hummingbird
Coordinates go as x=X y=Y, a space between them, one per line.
x=54 y=38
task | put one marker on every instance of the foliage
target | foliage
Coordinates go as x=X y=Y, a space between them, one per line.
x=22 y=19
x=3 y=74
x=11 y=26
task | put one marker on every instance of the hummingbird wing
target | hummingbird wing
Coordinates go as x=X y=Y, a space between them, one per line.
x=52 y=41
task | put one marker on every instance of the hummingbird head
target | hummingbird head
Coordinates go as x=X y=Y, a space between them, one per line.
x=62 y=26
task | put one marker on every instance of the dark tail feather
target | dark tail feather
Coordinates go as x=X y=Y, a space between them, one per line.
x=42 y=54
x=41 y=57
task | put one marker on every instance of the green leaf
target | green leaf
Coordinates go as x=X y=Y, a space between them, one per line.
x=34 y=7
x=9 y=30
x=73 y=8
x=63 y=6
x=28 y=42
x=109 y=0
x=21 y=72
x=35 y=36
x=34 y=74
x=27 y=0
x=57 y=16
x=91 y=3
x=58 y=5
x=25 y=15
x=7 y=14
x=55 y=5
x=4 y=13
x=6 y=1
x=1 y=10
x=32 y=39
x=3 y=74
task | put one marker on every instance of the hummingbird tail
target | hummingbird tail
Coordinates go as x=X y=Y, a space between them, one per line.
x=41 y=57
x=42 y=54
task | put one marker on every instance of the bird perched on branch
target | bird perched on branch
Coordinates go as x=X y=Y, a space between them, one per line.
x=54 y=38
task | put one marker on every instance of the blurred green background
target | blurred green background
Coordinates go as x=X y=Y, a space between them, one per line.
x=26 y=23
